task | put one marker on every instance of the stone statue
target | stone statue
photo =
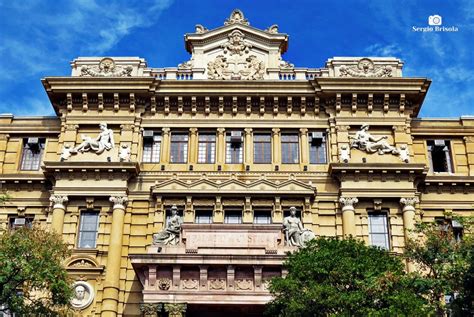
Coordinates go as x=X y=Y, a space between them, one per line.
x=124 y=153
x=295 y=234
x=344 y=154
x=65 y=152
x=170 y=235
x=83 y=295
x=104 y=141
x=364 y=141
x=404 y=154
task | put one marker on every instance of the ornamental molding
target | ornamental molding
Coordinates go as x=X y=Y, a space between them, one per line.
x=236 y=17
x=58 y=201
x=236 y=68
x=106 y=68
x=119 y=201
x=216 y=284
x=164 y=284
x=365 y=68
x=190 y=284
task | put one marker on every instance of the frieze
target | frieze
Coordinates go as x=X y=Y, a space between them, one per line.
x=190 y=284
x=106 y=68
x=365 y=68
x=217 y=284
x=244 y=285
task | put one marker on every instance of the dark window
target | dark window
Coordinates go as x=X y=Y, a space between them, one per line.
x=378 y=230
x=454 y=226
x=262 y=148
x=439 y=155
x=203 y=216
x=233 y=216
x=290 y=148
x=151 y=147
x=179 y=148
x=262 y=216
x=32 y=153
x=88 y=227
x=317 y=148
x=16 y=222
x=234 y=147
x=207 y=148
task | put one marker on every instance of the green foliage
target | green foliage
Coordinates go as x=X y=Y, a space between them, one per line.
x=331 y=277
x=445 y=264
x=33 y=281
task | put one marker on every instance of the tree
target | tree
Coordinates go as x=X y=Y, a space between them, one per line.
x=33 y=281
x=332 y=277
x=445 y=262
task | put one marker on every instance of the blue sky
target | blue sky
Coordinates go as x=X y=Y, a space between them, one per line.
x=39 y=38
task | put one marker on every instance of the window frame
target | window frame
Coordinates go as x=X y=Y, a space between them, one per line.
x=262 y=210
x=323 y=146
x=28 y=222
x=80 y=231
x=230 y=156
x=262 y=148
x=448 y=155
x=209 y=146
x=153 y=151
x=184 y=144
x=35 y=161
x=383 y=213
x=296 y=145
x=235 y=210
x=204 y=210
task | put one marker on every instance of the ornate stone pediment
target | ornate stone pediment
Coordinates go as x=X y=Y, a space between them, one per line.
x=233 y=187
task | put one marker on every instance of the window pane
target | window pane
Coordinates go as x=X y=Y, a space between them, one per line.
x=203 y=216
x=234 y=151
x=32 y=154
x=262 y=148
x=179 y=148
x=207 y=148
x=317 y=150
x=88 y=227
x=262 y=216
x=289 y=148
x=233 y=216
x=378 y=230
x=151 y=149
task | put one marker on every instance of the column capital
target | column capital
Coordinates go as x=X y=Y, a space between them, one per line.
x=220 y=130
x=303 y=130
x=193 y=131
x=409 y=201
x=248 y=131
x=276 y=130
x=348 y=202
x=58 y=201
x=151 y=310
x=166 y=130
x=118 y=201
x=175 y=309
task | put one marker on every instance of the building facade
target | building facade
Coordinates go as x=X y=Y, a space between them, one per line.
x=234 y=137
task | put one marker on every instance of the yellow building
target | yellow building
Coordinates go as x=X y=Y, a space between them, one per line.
x=233 y=137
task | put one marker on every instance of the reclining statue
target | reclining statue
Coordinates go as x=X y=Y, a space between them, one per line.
x=364 y=141
x=104 y=141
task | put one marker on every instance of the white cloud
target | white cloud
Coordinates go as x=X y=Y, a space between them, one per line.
x=390 y=50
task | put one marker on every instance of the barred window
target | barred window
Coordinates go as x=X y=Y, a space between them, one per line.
x=233 y=216
x=152 y=148
x=207 y=148
x=262 y=148
x=88 y=227
x=203 y=216
x=262 y=216
x=378 y=230
x=179 y=148
x=317 y=148
x=32 y=153
x=290 y=148
x=234 y=147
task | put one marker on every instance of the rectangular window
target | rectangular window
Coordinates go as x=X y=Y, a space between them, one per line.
x=234 y=147
x=203 y=216
x=262 y=148
x=32 y=153
x=290 y=148
x=207 y=148
x=378 y=230
x=179 y=148
x=151 y=147
x=88 y=227
x=440 y=156
x=16 y=222
x=317 y=148
x=262 y=216
x=233 y=216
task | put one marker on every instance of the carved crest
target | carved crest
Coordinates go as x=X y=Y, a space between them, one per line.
x=365 y=68
x=244 y=284
x=106 y=68
x=217 y=284
x=190 y=284
x=236 y=17
x=164 y=284
x=236 y=68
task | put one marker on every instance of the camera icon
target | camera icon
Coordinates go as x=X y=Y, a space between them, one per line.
x=435 y=20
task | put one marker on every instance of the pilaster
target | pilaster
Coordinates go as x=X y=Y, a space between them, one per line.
x=248 y=146
x=193 y=145
x=165 y=146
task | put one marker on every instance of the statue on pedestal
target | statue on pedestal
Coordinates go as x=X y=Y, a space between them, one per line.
x=295 y=234
x=170 y=235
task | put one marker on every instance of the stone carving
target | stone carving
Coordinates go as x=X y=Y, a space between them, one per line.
x=217 y=284
x=201 y=29
x=190 y=284
x=272 y=29
x=365 y=68
x=404 y=154
x=344 y=154
x=295 y=234
x=151 y=310
x=104 y=141
x=118 y=201
x=186 y=65
x=175 y=309
x=364 y=141
x=244 y=284
x=236 y=44
x=250 y=68
x=58 y=201
x=171 y=234
x=409 y=201
x=83 y=295
x=65 y=152
x=164 y=284
x=348 y=202
x=124 y=153
x=266 y=284
x=236 y=17
x=106 y=68
x=286 y=65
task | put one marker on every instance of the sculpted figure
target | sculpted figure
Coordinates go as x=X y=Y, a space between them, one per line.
x=170 y=235
x=124 y=153
x=65 y=152
x=295 y=234
x=104 y=141
x=364 y=141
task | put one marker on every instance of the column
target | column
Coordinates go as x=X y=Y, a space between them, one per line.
x=408 y=211
x=59 y=209
x=220 y=146
x=112 y=275
x=304 y=146
x=176 y=276
x=165 y=145
x=193 y=145
x=348 y=215
x=203 y=277
x=175 y=309
x=248 y=146
x=257 y=271
x=276 y=146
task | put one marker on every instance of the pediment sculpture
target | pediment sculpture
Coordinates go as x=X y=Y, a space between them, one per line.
x=295 y=234
x=103 y=142
x=172 y=232
x=365 y=68
x=364 y=141
x=106 y=68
